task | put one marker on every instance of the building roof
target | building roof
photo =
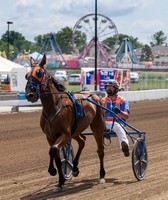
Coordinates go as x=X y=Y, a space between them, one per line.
x=160 y=50
x=156 y=50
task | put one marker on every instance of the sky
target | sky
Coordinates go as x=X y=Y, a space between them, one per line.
x=137 y=18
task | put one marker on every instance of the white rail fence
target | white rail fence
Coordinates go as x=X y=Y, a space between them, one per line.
x=129 y=95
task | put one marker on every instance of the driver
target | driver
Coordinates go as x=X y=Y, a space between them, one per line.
x=120 y=107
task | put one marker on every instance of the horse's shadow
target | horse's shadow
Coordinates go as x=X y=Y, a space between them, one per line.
x=71 y=188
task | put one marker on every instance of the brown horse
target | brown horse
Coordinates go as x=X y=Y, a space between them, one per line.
x=58 y=117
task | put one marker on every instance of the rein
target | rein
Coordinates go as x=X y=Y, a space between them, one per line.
x=54 y=93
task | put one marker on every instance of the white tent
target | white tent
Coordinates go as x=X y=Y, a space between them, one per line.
x=6 y=65
x=17 y=74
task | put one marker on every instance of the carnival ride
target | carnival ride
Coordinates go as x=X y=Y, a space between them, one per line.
x=53 y=52
x=126 y=53
x=107 y=40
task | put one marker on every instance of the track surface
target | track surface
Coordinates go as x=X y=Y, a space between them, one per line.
x=24 y=160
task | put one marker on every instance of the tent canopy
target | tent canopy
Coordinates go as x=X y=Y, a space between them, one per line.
x=6 y=66
x=36 y=55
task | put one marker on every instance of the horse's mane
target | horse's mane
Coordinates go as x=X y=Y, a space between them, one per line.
x=59 y=86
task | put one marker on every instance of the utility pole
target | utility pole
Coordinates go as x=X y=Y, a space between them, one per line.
x=95 y=45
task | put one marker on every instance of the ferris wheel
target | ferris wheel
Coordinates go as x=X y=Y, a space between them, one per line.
x=85 y=27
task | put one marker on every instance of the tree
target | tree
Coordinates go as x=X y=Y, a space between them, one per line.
x=146 y=53
x=158 y=38
x=109 y=44
x=64 y=40
x=40 y=40
x=17 y=44
x=135 y=43
x=13 y=37
x=80 y=41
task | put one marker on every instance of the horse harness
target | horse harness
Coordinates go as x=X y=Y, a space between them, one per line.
x=78 y=111
x=41 y=91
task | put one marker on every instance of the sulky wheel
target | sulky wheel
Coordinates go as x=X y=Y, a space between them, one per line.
x=139 y=159
x=67 y=156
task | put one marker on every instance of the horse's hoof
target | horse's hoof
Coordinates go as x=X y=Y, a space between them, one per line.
x=59 y=188
x=52 y=171
x=102 y=180
x=75 y=174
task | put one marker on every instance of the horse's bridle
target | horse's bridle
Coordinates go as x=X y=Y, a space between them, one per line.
x=37 y=81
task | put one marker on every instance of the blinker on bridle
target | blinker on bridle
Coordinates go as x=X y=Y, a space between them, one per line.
x=34 y=82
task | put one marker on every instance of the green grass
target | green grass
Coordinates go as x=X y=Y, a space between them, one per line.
x=147 y=81
x=151 y=80
x=74 y=88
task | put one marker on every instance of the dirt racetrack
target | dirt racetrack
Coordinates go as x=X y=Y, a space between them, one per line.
x=24 y=160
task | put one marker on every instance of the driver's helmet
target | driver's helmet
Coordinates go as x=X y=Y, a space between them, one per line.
x=113 y=83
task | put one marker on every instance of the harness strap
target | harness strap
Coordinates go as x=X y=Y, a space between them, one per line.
x=75 y=125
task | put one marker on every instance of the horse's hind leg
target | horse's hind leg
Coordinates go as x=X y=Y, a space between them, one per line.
x=81 y=143
x=98 y=134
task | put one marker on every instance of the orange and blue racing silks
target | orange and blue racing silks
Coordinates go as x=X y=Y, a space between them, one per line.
x=117 y=101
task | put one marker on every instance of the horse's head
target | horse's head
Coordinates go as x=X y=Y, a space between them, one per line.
x=37 y=79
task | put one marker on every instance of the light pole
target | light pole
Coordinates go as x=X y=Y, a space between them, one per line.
x=8 y=39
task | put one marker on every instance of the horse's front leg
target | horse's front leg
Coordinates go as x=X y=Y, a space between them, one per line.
x=81 y=143
x=54 y=155
x=51 y=169
x=61 y=175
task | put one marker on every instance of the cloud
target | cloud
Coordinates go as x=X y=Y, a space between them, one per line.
x=72 y=7
x=34 y=17
x=145 y=29
x=144 y=25
x=26 y=8
x=118 y=8
x=109 y=7
x=26 y=4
